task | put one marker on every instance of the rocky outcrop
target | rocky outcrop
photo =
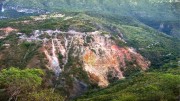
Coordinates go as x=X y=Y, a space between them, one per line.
x=98 y=53
x=103 y=55
x=8 y=30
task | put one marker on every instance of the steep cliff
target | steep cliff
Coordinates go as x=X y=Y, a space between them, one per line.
x=98 y=53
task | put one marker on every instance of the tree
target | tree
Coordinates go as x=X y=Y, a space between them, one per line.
x=15 y=82
x=43 y=95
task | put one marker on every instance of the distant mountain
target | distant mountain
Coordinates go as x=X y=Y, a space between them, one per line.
x=162 y=15
x=154 y=9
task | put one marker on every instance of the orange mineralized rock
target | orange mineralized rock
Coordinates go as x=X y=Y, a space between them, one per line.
x=89 y=57
x=113 y=58
x=8 y=30
x=101 y=56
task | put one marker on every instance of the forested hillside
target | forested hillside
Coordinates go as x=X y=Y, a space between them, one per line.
x=162 y=15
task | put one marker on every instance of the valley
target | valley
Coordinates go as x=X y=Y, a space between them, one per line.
x=97 y=50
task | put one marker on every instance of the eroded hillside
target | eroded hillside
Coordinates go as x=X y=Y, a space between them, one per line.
x=81 y=51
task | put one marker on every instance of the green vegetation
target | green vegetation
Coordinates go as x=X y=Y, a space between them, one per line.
x=18 y=54
x=158 y=47
x=44 y=95
x=138 y=8
x=150 y=86
x=21 y=85
x=15 y=82
x=15 y=14
x=150 y=12
x=152 y=43
x=159 y=84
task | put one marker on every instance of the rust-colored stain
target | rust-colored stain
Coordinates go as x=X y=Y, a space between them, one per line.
x=89 y=57
x=8 y=30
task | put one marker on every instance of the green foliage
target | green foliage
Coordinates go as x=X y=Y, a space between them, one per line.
x=152 y=86
x=140 y=8
x=152 y=44
x=89 y=39
x=43 y=95
x=28 y=44
x=150 y=12
x=18 y=82
x=21 y=85
x=73 y=69
x=144 y=86
x=8 y=75
x=80 y=74
x=17 y=55
x=26 y=31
